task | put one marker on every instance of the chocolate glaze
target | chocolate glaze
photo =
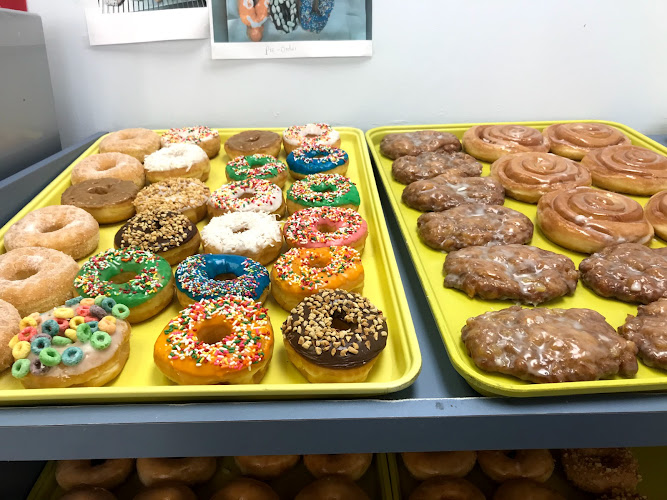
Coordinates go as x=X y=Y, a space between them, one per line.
x=250 y=141
x=96 y=193
x=154 y=222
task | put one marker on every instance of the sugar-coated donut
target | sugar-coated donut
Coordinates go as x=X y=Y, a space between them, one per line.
x=226 y=340
x=88 y=493
x=68 y=229
x=575 y=140
x=245 y=488
x=500 y=466
x=250 y=195
x=490 y=142
x=601 y=470
x=326 y=227
x=36 y=279
x=206 y=138
x=525 y=489
x=332 y=488
x=308 y=160
x=257 y=166
x=9 y=327
x=254 y=14
x=193 y=470
x=166 y=491
x=444 y=488
x=266 y=466
x=251 y=142
x=348 y=465
x=255 y=235
x=109 y=165
x=136 y=142
x=318 y=190
x=196 y=278
x=178 y=194
x=425 y=465
x=107 y=474
x=314 y=18
x=178 y=160
x=107 y=200
x=312 y=134
x=138 y=279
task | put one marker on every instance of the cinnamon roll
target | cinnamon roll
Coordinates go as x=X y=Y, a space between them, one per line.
x=575 y=140
x=656 y=213
x=587 y=220
x=490 y=142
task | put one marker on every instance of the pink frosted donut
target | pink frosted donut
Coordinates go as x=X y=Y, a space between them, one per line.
x=326 y=227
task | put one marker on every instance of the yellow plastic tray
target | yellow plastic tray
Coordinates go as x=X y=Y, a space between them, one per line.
x=452 y=308
x=140 y=380
x=376 y=482
x=651 y=468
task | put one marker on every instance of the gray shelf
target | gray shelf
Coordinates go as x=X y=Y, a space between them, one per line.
x=439 y=412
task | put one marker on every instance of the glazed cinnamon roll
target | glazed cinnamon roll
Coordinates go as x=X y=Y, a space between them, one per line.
x=528 y=176
x=575 y=140
x=490 y=142
x=627 y=169
x=587 y=220
x=656 y=213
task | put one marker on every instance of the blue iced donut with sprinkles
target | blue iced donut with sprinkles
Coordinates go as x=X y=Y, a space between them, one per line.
x=196 y=278
x=315 y=18
x=309 y=160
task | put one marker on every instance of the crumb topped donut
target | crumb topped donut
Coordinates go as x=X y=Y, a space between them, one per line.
x=251 y=195
x=109 y=165
x=178 y=160
x=135 y=142
x=192 y=470
x=206 y=138
x=251 y=142
x=257 y=166
x=316 y=227
x=308 y=160
x=396 y=145
x=319 y=190
x=107 y=200
x=311 y=134
x=408 y=169
x=601 y=470
x=71 y=474
x=178 y=194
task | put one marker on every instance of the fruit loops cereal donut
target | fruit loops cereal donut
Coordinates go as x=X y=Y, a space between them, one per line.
x=350 y=330
x=266 y=466
x=204 y=137
x=9 y=326
x=500 y=466
x=85 y=342
x=136 y=142
x=72 y=474
x=257 y=166
x=252 y=142
x=285 y=15
x=254 y=13
x=318 y=190
x=349 y=465
x=68 y=229
x=308 y=160
x=193 y=470
x=326 y=227
x=251 y=195
x=425 y=465
x=302 y=272
x=247 y=489
x=107 y=200
x=178 y=160
x=36 y=279
x=109 y=165
x=197 y=278
x=314 y=14
x=179 y=194
x=312 y=134
x=228 y=340
x=137 y=279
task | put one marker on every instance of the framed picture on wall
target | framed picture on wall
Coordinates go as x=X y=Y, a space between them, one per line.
x=266 y=29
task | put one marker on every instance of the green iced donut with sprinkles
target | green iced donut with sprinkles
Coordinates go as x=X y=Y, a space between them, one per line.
x=322 y=190
x=257 y=166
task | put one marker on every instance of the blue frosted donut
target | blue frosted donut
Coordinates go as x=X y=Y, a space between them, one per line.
x=309 y=160
x=312 y=20
x=195 y=278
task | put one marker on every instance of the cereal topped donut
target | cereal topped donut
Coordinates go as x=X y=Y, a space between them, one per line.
x=308 y=160
x=257 y=166
x=396 y=145
x=109 y=165
x=326 y=227
x=251 y=142
x=251 y=195
x=408 y=169
x=206 y=138
x=319 y=190
x=178 y=194
x=178 y=160
x=312 y=134
x=136 y=142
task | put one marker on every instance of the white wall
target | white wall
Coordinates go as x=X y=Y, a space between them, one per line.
x=436 y=61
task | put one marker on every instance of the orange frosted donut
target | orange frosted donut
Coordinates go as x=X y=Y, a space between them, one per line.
x=193 y=470
x=109 y=165
x=266 y=466
x=425 y=465
x=575 y=140
x=302 y=272
x=98 y=473
x=349 y=465
x=254 y=14
x=136 y=142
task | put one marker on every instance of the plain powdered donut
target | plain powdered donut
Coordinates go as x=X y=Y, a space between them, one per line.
x=36 y=279
x=178 y=194
x=575 y=140
x=245 y=488
x=166 y=491
x=348 y=465
x=108 y=200
x=108 y=474
x=109 y=165
x=265 y=466
x=332 y=488
x=425 y=465
x=9 y=326
x=136 y=142
x=443 y=488
x=178 y=160
x=252 y=142
x=194 y=470
x=68 y=229
x=206 y=138
x=500 y=466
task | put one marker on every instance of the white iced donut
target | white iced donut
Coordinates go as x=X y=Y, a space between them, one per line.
x=177 y=160
x=312 y=134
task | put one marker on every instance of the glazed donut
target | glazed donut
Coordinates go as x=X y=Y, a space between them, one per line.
x=178 y=160
x=312 y=18
x=575 y=140
x=251 y=195
x=88 y=493
x=257 y=166
x=317 y=190
x=109 y=165
x=68 y=229
x=348 y=465
x=301 y=272
x=107 y=200
x=490 y=142
x=500 y=466
x=308 y=160
x=627 y=169
x=587 y=220
x=332 y=488
x=326 y=227
x=136 y=142
x=443 y=488
x=525 y=490
x=170 y=235
x=193 y=470
x=178 y=194
x=36 y=279
x=647 y=331
x=255 y=235
x=656 y=213
x=350 y=330
x=206 y=138
x=244 y=488
x=196 y=278
x=601 y=470
x=9 y=327
x=312 y=134
x=166 y=491
x=137 y=279
x=408 y=169
x=265 y=466
x=199 y=346
x=285 y=15
x=421 y=141
x=251 y=142
x=425 y=465
x=107 y=474
x=254 y=14
x=528 y=176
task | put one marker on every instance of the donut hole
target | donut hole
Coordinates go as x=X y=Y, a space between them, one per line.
x=52 y=226
x=246 y=196
x=122 y=278
x=225 y=277
x=98 y=190
x=22 y=274
x=323 y=188
x=214 y=330
x=326 y=227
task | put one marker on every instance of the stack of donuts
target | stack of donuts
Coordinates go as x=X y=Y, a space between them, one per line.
x=489 y=252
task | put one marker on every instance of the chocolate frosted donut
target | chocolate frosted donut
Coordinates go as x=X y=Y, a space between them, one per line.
x=284 y=14
x=490 y=142
x=575 y=140
x=251 y=142
x=448 y=191
x=422 y=141
x=407 y=169
x=108 y=200
x=648 y=330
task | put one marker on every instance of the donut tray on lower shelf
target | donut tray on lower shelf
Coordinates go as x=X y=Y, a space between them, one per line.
x=140 y=381
x=451 y=308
